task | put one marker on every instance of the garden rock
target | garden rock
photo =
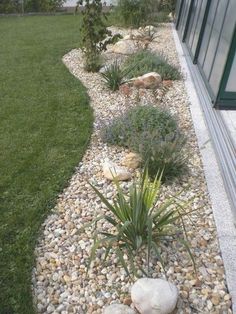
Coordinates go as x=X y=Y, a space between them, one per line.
x=154 y=296
x=150 y=80
x=127 y=37
x=111 y=171
x=125 y=47
x=150 y=28
x=103 y=69
x=132 y=161
x=118 y=309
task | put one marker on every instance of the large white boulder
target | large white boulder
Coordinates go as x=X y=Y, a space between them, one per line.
x=154 y=296
x=112 y=171
x=118 y=309
x=150 y=80
x=125 y=47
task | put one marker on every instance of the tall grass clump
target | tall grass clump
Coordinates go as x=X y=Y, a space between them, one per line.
x=134 y=13
x=141 y=223
x=154 y=134
x=146 y=61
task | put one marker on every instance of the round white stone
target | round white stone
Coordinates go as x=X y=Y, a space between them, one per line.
x=154 y=296
x=118 y=309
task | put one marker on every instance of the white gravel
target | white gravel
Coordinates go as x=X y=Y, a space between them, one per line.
x=60 y=282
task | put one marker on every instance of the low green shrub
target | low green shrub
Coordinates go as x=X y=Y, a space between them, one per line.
x=114 y=75
x=138 y=120
x=147 y=61
x=161 y=17
x=167 y=5
x=153 y=133
x=141 y=222
x=134 y=13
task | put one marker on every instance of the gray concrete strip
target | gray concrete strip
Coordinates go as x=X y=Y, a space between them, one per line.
x=222 y=210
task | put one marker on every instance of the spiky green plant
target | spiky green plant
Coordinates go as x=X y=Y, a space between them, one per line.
x=114 y=76
x=141 y=222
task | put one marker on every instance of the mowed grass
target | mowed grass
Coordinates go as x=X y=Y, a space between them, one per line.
x=45 y=126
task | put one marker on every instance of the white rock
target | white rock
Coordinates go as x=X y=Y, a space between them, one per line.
x=118 y=309
x=125 y=47
x=149 y=28
x=154 y=296
x=150 y=80
x=132 y=160
x=103 y=69
x=127 y=37
x=111 y=171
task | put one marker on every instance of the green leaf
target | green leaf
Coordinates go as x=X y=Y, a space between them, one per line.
x=122 y=261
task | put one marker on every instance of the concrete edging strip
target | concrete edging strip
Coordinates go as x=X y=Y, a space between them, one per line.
x=222 y=211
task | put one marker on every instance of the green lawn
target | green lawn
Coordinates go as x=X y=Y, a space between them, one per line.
x=45 y=126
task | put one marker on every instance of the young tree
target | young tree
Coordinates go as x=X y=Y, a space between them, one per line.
x=94 y=31
x=95 y=35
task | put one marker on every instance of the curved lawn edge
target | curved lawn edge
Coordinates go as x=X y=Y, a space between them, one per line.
x=46 y=127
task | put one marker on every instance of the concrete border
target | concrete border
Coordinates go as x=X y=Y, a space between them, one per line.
x=222 y=211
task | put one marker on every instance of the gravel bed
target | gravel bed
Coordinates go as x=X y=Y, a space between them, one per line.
x=60 y=283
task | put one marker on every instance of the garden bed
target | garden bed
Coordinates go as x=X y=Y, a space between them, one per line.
x=60 y=281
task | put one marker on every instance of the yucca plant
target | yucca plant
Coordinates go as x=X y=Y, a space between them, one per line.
x=140 y=222
x=114 y=75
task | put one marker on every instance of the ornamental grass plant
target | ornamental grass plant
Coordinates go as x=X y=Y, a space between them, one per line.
x=147 y=61
x=141 y=222
x=114 y=75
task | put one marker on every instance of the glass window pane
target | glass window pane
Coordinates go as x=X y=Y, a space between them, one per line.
x=219 y=65
x=198 y=26
x=214 y=39
x=193 y=22
x=231 y=84
x=223 y=48
x=207 y=32
x=210 y=53
x=184 y=16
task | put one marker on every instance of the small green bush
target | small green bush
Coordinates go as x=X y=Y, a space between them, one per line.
x=142 y=222
x=136 y=121
x=114 y=75
x=160 y=152
x=147 y=61
x=167 y=5
x=154 y=134
x=161 y=17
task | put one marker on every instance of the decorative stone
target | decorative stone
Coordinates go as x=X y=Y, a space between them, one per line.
x=128 y=37
x=150 y=28
x=118 y=309
x=170 y=16
x=150 y=80
x=125 y=47
x=111 y=171
x=154 y=296
x=132 y=161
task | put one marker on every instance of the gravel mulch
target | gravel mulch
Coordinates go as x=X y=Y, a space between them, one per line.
x=60 y=282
